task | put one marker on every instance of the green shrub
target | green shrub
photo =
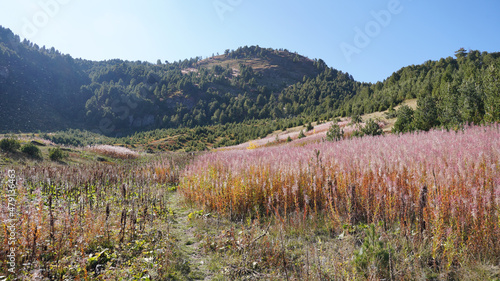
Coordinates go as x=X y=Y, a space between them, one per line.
x=356 y=119
x=404 y=123
x=309 y=127
x=10 y=144
x=357 y=133
x=335 y=133
x=32 y=150
x=301 y=134
x=374 y=254
x=56 y=154
x=372 y=128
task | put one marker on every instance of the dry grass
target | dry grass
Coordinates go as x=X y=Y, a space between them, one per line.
x=114 y=151
x=81 y=222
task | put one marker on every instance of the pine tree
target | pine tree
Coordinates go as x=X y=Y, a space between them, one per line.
x=471 y=102
x=404 y=123
x=335 y=133
x=425 y=116
x=372 y=128
x=492 y=92
x=301 y=134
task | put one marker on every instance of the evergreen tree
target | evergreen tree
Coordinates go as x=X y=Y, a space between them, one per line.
x=404 y=123
x=448 y=106
x=492 y=91
x=335 y=133
x=461 y=53
x=425 y=117
x=301 y=134
x=372 y=128
x=471 y=102
x=164 y=91
x=309 y=127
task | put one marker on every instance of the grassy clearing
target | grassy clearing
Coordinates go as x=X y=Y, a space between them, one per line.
x=389 y=122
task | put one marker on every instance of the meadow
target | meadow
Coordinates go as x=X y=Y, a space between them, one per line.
x=437 y=189
x=422 y=206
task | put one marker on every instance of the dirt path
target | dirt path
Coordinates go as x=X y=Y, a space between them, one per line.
x=188 y=241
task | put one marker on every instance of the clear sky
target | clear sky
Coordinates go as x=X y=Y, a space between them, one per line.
x=370 y=39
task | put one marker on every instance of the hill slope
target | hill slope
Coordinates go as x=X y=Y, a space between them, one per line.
x=42 y=89
x=39 y=88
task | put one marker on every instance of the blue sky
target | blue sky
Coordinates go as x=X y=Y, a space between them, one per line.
x=370 y=39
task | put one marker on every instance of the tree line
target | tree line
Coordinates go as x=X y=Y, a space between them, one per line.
x=42 y=89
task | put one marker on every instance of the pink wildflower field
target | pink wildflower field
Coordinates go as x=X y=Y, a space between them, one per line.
x=443 y=184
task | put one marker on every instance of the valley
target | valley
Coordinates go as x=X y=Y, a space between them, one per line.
x=255 y=164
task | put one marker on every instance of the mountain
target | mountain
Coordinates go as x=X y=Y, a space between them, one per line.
x=39 y=88
x=42 y=89
x=233 y=87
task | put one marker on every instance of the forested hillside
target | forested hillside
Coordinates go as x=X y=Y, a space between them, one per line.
x=42 y=89
x=233 y=87
x=39 y=87
x=450 y=91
